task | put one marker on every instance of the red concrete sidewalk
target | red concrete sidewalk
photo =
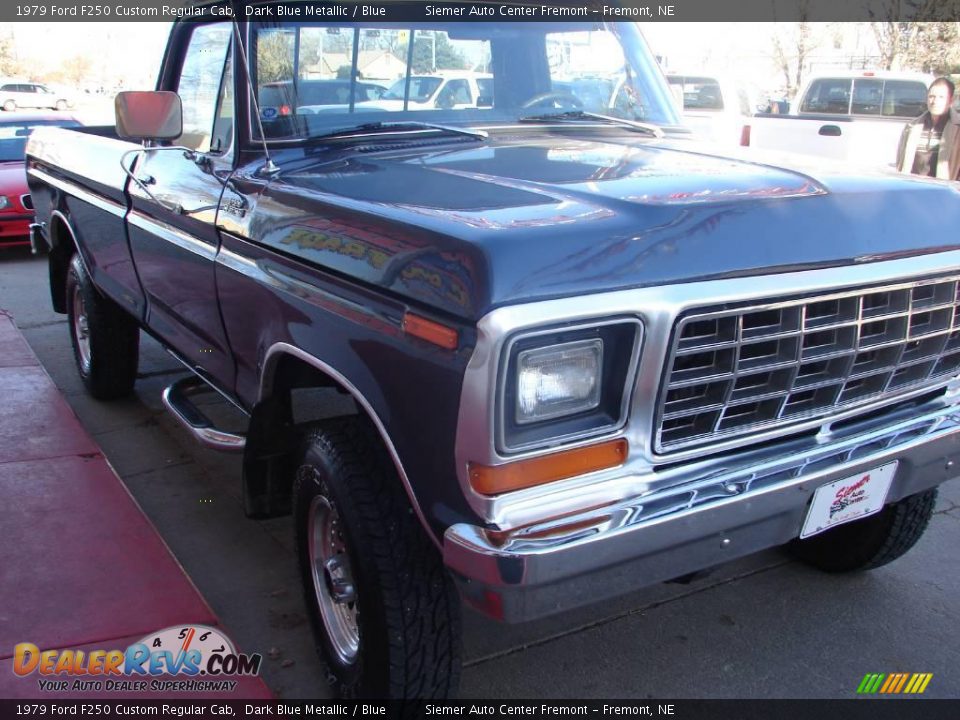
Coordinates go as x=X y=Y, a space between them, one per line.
x=81 y=566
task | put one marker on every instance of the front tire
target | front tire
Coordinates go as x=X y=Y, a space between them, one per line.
x=105 y=339
x=384 y=611
x=61 y=105
x=10 y=106
x=872 y=541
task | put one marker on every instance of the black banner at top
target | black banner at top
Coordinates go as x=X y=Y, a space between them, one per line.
x=487 y=709
x=489 y=10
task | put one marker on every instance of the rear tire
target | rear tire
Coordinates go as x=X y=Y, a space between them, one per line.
x=105 y=339
x=384 y=611
x=9 y=106
x=871 y=542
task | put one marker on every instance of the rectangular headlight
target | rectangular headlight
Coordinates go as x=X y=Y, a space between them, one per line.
x=563 y=384
x=558 y=380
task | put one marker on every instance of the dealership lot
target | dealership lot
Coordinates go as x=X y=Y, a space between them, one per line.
x=761 y=627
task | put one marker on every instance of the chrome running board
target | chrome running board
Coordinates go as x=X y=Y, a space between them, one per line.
x=176 y=398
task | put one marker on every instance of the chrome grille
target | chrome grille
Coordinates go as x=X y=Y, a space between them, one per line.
x=733 y=372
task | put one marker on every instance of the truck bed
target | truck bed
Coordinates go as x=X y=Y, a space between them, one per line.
x=859 y=141
x=82 y=166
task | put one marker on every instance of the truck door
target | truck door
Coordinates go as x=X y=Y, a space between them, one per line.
x=173 y=235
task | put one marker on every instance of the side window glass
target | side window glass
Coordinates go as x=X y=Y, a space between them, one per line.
x=485 y=90
x=200 y=81
x=456 y=92
x=222 y=141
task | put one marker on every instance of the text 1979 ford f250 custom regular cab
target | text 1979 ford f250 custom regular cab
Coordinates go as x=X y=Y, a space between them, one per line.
x=584 y=353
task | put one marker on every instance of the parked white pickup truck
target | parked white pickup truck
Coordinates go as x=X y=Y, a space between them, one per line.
x=855 y=117
x=718 y=109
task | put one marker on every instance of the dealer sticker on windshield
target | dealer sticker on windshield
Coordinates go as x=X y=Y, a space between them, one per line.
x=849 y=499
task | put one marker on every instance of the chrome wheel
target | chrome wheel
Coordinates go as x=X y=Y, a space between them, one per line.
x=333 y=584
x=81 y=329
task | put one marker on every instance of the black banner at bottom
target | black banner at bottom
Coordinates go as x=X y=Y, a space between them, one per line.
x=858 y=709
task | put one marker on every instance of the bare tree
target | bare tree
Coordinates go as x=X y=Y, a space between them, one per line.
x=928 y=46
x=10 y=64
x=793 y=44
x=927 y=42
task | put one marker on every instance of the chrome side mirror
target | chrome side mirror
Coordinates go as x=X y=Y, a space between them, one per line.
x=149 y=115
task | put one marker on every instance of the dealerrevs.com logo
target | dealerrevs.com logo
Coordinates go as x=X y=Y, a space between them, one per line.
x=201 y=657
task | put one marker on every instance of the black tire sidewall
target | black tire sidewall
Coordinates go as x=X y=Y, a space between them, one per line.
x=113 y=336
x=872 y=541
x=368 y=674
x=77 y=281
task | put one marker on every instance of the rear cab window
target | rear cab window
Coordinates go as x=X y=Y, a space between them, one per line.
x=866 y=96
x=698 y=93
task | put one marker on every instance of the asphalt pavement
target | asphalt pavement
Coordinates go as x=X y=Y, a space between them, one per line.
x=760 y=627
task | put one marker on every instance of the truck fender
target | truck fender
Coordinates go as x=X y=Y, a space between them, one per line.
x=269 y=446
x=63 y=244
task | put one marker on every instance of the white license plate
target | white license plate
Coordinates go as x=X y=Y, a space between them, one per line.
x=849 y=499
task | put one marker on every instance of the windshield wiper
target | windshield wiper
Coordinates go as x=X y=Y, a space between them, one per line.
x=389 y=128
x=585 y=115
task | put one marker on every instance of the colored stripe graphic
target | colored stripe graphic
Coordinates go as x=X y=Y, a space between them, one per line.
x=870 y=683
x=891 y=681
x=894 y=683
x=903 y=679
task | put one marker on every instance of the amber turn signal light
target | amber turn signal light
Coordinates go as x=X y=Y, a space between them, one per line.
x=432 y=332
x=498 y=479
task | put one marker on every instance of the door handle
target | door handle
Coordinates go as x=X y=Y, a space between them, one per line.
x=830 y=131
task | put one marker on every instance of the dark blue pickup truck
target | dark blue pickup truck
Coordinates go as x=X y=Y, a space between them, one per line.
x=584 y=352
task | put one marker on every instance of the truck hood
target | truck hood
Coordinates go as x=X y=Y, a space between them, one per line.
x=527 y=218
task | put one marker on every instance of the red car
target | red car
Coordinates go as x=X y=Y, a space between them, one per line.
x=16 y=212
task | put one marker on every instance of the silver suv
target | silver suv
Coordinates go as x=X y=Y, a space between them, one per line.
x=15 y=95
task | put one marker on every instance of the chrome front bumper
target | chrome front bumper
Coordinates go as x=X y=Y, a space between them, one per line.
x=727 y=508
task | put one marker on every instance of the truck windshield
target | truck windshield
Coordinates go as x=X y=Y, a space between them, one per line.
x=312 y=78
